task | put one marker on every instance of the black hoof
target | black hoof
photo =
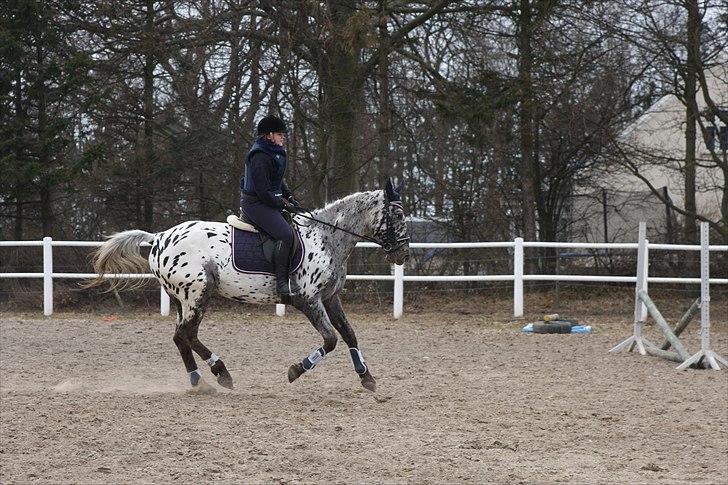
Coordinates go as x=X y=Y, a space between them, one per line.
x=223 y=376
x=368 y=382
x=225 y=380
x=295 y=371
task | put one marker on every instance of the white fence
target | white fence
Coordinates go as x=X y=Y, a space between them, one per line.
x=397 y=275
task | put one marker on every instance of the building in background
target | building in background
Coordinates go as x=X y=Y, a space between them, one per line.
x=654 y=146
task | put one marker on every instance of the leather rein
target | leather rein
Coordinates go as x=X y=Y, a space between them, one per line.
x=392 y=242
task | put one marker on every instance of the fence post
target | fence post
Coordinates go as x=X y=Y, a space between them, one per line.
x=47 y=276
x=163 y=301
x=398 y=290
x=518 y=278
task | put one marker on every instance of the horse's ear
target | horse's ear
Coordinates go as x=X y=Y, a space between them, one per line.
x=398 y=188
x=389 y=190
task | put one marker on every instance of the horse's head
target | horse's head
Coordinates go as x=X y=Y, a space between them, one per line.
x=392 y=230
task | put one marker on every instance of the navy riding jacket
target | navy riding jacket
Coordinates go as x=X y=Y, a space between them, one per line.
x=265 y=169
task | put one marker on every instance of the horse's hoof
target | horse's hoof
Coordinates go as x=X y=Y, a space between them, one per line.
x=225 y=380
x=202 y=387
x=295 y=371
x=368 y=382
x=223 y=376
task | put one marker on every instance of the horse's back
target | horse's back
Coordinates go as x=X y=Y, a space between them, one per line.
x=183 y=255
x=195 y=256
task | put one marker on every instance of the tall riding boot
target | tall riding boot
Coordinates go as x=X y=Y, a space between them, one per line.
x=282 y=264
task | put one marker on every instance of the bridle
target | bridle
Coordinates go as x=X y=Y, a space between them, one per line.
x=389 y=244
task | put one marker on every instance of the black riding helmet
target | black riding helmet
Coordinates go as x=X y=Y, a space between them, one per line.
x=271 y=124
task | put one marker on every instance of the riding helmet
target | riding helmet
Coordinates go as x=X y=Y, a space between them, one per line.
x=271 y=124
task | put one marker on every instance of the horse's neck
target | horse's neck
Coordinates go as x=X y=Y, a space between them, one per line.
x=356 y=213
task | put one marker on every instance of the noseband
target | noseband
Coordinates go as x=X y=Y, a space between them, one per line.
x=389 y=244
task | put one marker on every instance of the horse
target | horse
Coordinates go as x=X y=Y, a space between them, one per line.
x=193 y=261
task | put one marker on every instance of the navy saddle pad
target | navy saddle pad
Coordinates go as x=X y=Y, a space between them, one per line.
x=248 y=254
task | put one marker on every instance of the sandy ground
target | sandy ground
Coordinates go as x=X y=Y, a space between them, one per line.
x=100 y=398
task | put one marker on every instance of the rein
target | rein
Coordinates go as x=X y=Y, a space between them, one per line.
x=388 y=246
x=362 y=236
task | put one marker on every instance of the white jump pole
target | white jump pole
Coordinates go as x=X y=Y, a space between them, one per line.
x=47 y=276
x=705 y=351
x=637 y=340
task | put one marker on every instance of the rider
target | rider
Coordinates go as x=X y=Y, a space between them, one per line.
x=264 y=193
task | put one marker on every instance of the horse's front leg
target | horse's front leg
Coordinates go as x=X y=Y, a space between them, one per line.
x=316 y=313
x=341 y=323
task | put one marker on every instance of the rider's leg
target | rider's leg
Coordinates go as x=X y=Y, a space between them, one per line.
x=282 y=261
x=272 y=222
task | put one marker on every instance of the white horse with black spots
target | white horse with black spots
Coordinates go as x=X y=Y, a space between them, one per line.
x=193 y=261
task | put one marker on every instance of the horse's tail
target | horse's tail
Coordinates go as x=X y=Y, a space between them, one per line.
x=121 y=254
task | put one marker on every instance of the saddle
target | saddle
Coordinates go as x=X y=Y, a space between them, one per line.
x=253 y=249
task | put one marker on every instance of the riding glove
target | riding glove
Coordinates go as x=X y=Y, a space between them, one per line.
x=293 y=201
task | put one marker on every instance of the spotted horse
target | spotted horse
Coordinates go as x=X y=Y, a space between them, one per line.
x=193 y=261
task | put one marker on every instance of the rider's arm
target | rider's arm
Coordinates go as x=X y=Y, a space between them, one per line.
x=287 y=194
x=261 y=166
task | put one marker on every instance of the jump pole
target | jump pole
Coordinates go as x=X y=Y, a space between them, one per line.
x=679 y=327
x=682 y=324
x=705 y=351
x=637 y=340
x=662 y=323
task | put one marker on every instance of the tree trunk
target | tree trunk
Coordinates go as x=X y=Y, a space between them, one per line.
x=46 y=209
x=45 y=189
x=691 y=116
x=528 y=167
x=340 y=115
x=341 y=86
x=20 y=124
x=724 y=200
x=18 y=225
x=383 y=159
x=148 y=160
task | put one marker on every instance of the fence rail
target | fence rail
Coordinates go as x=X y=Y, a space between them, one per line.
x=397 y=275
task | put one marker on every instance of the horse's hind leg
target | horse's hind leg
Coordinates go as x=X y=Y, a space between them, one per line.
x=183 y=344
x=185 y=350
x=341 y=324
x=316 y=314
x=217 y=366
x=189 y=316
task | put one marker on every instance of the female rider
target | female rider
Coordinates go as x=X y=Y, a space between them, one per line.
x=264 y=193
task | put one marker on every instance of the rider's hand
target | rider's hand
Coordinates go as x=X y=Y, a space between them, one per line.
x=293 y=201
x=288 y=206
x=292 y=206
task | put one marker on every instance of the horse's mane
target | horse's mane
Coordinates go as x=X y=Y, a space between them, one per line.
x=350 y=199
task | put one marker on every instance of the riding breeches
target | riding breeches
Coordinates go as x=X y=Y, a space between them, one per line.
x=267 y=218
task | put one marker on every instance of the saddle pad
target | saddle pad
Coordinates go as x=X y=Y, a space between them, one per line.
x=248 y=253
